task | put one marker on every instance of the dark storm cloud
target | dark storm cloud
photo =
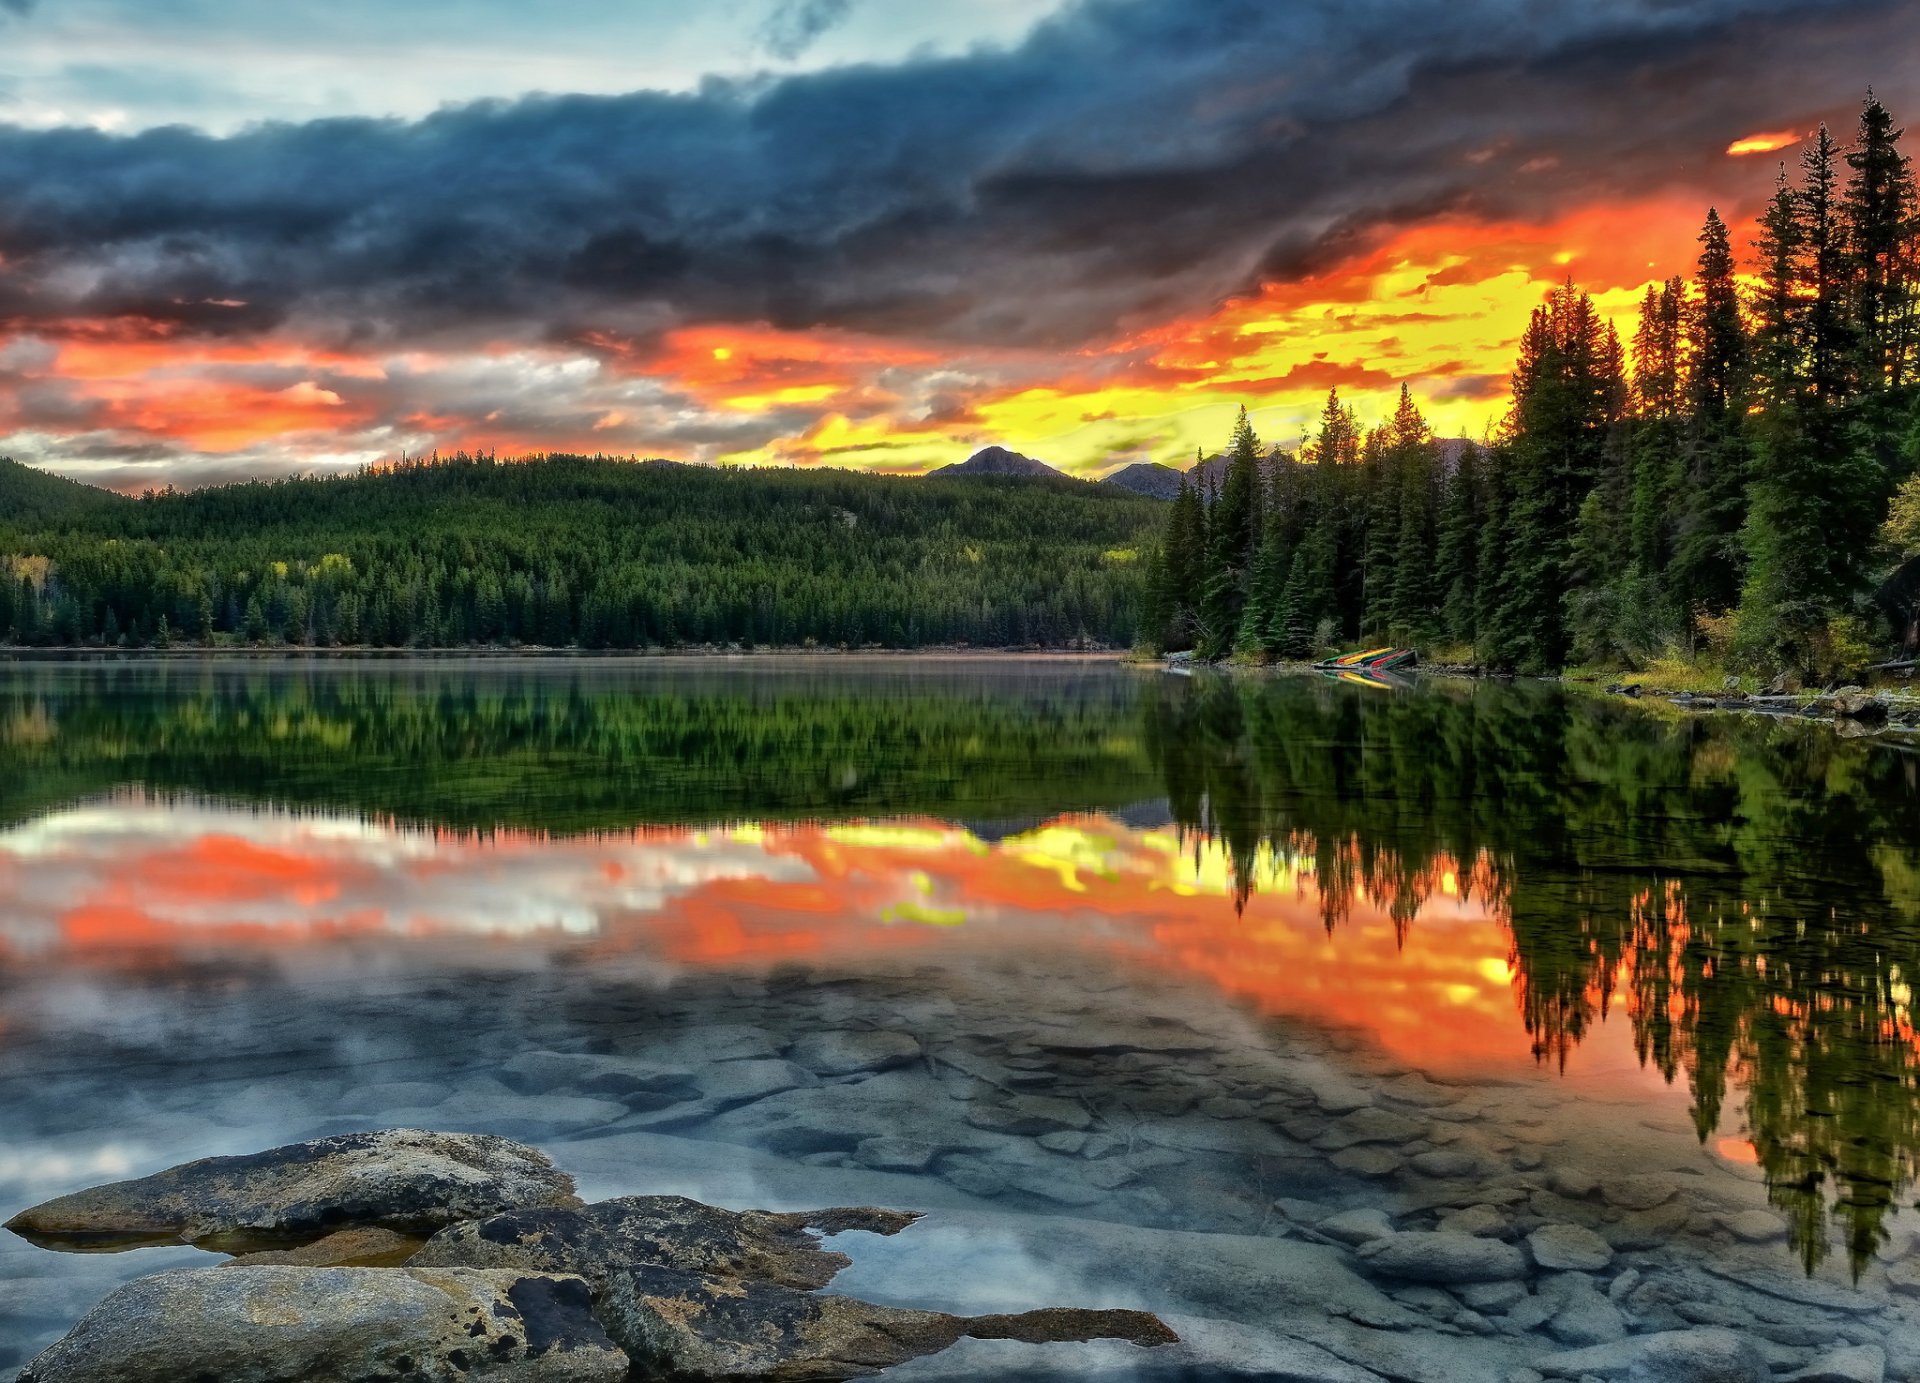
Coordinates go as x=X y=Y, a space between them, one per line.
x=795 y=24
x=1131 y=158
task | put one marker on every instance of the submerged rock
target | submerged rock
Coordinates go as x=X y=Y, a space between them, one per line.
x=1442 y=1258
x=1711 y=1355
x=695 y=1327
x=337 y=1325
x=673 y=1232
x=350 y=1248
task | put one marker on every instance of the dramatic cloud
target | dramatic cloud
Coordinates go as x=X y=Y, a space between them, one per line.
x=792 y=28
x=1132 y=163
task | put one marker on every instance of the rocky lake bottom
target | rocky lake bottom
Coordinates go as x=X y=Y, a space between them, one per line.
x=1292 y=1202
x=1432 y=1034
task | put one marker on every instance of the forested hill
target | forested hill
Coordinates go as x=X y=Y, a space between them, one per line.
x=569 y=550
x=30 y=498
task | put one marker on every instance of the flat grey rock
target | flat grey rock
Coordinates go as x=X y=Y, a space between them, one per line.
x=337 y=1325
x=842 y=1053
x=727 y=1083
x=1710 y=1355
x=1858 y=1364
x=1586 y=1318
x=1357 y=1226
x=1442 y=1258
x=407 y=1180
x=1569 y=1248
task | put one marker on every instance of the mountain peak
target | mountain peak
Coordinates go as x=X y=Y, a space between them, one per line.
x=997 y=460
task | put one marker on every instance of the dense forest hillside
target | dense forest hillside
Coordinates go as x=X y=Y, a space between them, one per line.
x=569 y=550
x=1736 y=482
x=35 y=499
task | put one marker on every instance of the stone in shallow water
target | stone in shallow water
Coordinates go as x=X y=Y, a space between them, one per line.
x=1482 y=1220
x=1636 y=1193
x=1369 y=1126
x=1755 y=1226
x=1356 y=1226
x=659 y=1231
x=693 y=1327
x=1586 y=1318
x=1029 y=1115
x=1442 y=1258
x=635 y=1083
x=845 y=1053
x=1491 y=1296
x=728 y=1083
x=1569 y=1248
x=350 y=1248
x=1366 y=1162
x=895 y=1154
x=1859 y=1364
x=337 y=1325
x=408 y=1180
x=1450 y=1164
x=1672 y=1356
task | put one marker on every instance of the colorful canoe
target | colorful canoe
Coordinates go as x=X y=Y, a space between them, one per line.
x=1370 y=660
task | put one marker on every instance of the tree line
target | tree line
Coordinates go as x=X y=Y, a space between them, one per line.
x=1737 y=480
x=570 y=551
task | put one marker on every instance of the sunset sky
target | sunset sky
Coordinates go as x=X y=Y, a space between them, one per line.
x=241 y=239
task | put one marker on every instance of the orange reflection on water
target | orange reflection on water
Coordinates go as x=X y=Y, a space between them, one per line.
x=1421 y=965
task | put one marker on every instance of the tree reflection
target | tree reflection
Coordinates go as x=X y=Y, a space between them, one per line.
x=1745 y=889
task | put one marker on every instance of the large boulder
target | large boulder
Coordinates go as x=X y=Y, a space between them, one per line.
x=407 y=1180
x=337 y=1325
x=659 y=1231
x=689 y=1326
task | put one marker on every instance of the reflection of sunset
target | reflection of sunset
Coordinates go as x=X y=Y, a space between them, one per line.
x=136 y=878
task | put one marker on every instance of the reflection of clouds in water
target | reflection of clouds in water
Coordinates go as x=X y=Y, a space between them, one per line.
x=32 y=1168
x=121 y=870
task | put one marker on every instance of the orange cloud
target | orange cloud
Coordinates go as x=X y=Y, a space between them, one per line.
x=1764 y=143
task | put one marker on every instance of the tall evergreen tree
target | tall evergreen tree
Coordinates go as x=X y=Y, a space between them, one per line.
x=1233 y=534
x=1878 y=206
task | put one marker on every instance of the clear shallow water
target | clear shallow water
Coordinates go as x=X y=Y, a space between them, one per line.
x=1151 y=956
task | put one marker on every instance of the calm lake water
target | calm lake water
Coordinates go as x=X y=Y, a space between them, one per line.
x=1142 y=985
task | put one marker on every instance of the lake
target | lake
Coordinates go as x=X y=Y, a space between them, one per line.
x=1157 y=991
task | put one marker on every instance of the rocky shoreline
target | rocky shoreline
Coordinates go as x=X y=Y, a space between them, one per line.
x=519 y=1280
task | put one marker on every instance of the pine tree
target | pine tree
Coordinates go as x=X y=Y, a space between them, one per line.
x=1184 y=564
x=1708 y=558
x=1823 y=244
x=1410 y=605
x=1878 y=207
x=1233 y=533
x=1779 y=313
x=1457 y=558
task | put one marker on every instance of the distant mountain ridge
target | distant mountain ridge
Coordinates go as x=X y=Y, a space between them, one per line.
x=999 y=461
x=1148 y=478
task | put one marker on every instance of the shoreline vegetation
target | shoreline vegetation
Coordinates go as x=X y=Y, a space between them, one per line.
x=1735 y=491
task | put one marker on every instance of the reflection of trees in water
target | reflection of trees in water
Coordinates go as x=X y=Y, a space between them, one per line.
x=1748 y=891
x=565 y=749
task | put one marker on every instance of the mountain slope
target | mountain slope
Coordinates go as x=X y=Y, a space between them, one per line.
x=998 y=461
x=1148 y=478
x=35 y=499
